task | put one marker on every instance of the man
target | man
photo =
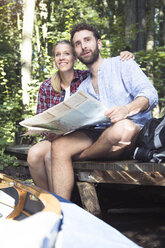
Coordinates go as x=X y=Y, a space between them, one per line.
x=129 y=97
x=54 y=90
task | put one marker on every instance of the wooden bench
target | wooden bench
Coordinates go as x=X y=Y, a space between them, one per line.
x=90 y=173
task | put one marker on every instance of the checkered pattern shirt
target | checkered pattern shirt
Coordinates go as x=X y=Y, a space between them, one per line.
x=47 y=97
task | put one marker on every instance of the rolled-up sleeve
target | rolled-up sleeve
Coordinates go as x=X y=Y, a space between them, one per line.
x=138 y=84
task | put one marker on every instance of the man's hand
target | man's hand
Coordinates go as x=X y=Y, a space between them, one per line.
x=125 y=55
x=116 y=113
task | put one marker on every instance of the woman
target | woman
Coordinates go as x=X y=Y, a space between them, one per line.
x=53 y=91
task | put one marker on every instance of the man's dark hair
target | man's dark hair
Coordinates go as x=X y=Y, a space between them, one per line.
x=84 y=26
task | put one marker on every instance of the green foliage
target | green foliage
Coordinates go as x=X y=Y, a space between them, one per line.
x=53 y=22
x=7 y=160
x=10 y=83
x=153 y=64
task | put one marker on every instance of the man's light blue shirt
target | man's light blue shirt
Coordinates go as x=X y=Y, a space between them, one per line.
x=121 y=82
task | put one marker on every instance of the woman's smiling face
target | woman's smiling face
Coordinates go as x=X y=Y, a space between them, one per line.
x=64 y=58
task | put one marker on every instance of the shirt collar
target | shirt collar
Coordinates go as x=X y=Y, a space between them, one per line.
x=76 y=75
x=102 y=65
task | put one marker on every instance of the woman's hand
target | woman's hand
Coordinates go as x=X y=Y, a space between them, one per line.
x=117 y=113
x=125 y=55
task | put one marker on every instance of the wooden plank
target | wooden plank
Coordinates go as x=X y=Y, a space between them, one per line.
x=89 y=198
x=18 y=149
x=122 y=177
x=122 y=165
x=127 y=166
x=145 y=210
x=89 y=173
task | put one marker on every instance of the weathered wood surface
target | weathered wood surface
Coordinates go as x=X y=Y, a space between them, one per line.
x=18 y=149
x=125 y=171
x=123 y=165
x=122 y=177
x=88 y=173
x=89 y=198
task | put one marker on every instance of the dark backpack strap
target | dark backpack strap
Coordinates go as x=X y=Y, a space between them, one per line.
x=159 y=156
x=157 y=138
x=147 y=155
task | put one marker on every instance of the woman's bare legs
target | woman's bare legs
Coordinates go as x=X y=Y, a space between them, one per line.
x=36 y=162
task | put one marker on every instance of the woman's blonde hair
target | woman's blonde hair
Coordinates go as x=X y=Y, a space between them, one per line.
x=56 y=82
x=56 y=78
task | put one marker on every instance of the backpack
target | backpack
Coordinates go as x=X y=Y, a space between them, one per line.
x=150 y=143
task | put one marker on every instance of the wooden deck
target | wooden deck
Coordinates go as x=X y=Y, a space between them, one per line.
x=90 y=173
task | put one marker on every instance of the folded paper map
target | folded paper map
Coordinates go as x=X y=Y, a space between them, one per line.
x=78 y=111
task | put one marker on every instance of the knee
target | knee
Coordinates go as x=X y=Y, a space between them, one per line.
x=124 y=127
x=33 y=156
x=123 y=130
x=60 y=147
x=57 y=147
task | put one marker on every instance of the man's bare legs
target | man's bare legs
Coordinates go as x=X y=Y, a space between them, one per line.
x=113 y=142
x=38 y=165
x=62 y=150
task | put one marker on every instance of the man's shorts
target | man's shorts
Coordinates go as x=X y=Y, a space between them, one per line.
x=92 y=133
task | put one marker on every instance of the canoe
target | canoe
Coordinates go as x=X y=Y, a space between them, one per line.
x=24 y=200
x=32 y=217
x=29 y=216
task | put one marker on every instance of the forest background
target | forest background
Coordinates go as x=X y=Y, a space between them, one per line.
x=30 y=28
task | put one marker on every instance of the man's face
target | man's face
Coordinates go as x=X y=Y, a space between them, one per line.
x=86 y=47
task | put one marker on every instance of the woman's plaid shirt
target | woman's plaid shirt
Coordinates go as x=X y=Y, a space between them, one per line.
x=47 y=97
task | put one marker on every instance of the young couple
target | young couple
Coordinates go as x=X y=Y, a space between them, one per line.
x=120 y=85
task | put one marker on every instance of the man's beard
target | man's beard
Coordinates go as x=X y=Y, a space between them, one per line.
x=91 y=59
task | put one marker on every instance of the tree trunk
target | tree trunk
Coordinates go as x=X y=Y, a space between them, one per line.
x=26 y=52
x=162 y=23
x=162 y=39
x=130 y=22
x=150 y=24
x=141 y=14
